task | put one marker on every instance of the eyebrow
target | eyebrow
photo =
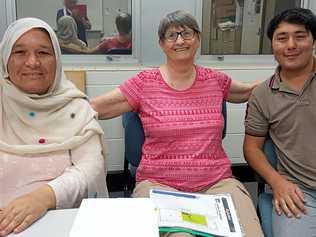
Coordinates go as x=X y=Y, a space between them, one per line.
x=23 y=45
x=296 y=32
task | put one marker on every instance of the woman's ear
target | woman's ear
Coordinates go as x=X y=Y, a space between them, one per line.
x=160 y=43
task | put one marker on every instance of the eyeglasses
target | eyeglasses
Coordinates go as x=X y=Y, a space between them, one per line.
x=172 y=36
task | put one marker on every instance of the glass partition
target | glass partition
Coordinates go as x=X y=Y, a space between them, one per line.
x=85 y=26
x=239 y=26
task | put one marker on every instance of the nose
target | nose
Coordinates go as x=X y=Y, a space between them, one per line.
x=291 y=43
x=32 y=60
x=179 y=39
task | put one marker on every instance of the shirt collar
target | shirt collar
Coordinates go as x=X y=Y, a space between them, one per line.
x=275 y=80
x=67 y=12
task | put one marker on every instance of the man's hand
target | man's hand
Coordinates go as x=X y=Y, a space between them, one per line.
x=25 y=210
x=288 y=198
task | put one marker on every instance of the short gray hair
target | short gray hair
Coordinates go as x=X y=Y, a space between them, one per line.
x=177 y=19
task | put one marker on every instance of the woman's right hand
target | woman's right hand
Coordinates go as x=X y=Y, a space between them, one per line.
x=288 y=198
x=25 y=210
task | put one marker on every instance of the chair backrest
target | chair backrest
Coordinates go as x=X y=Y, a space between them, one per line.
x=119 y=51
x=135 y=137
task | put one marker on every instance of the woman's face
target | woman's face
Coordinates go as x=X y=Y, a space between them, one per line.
x=184 y=47
x=32 y=63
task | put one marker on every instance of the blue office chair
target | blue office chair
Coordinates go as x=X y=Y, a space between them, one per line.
x=134 y=139
x=265 y=199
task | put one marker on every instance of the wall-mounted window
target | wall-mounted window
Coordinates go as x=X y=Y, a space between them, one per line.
x=85 y=26
x=229 y=27
x=239 y=26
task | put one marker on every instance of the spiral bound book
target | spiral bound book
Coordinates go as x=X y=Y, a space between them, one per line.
x=198 y=214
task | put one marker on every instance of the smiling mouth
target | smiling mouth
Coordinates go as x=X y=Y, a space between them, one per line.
x=35 y=74
x=181 y=49
x=292 y=56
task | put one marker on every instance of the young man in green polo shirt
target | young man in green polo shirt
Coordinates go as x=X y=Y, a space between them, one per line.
x=284 y=107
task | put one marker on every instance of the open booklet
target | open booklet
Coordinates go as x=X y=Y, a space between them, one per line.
x=198 y=214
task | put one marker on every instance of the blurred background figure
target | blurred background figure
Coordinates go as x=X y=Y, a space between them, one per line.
x=123 y=40
x=67 y=33
x=82 y=21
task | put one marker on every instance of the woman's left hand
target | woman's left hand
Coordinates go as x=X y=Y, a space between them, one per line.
x=240 y=92
x=25 y=210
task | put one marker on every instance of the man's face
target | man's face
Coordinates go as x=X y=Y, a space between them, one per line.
x=293 y=46
x=69 y=4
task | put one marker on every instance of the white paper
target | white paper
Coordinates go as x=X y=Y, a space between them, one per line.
x=115 y=217
x=218 y=211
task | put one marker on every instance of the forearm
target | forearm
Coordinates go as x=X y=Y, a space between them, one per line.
x=110 y=105
x=69 y=188
x=86 y=177
x=46 y=196
x=258 y=161
x=240 y=92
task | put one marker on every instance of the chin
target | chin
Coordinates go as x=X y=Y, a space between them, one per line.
x=37 y=91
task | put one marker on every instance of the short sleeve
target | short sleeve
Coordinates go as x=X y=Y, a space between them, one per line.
x=224 y=82
x=132 y=91
x=256 y=122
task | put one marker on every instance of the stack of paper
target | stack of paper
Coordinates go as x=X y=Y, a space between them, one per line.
x=115 y=217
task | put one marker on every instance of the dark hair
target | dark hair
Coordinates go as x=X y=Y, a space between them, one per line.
x=177 y=19
x=299 y=16
x=123 y=23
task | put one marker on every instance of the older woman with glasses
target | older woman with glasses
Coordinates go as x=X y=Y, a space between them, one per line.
x=180 y=105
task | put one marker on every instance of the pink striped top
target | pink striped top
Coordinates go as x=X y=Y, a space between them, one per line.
x=183 y=129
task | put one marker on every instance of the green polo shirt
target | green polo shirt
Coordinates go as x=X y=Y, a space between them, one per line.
x=290 y=119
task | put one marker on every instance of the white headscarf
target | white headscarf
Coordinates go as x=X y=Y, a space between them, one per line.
x=61 y=119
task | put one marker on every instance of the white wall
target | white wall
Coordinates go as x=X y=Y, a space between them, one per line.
x=313 y=5
x=99 y=82
x=3 y=18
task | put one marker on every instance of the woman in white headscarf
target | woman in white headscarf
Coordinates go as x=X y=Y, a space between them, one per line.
x=67 y=34
x=51 y=153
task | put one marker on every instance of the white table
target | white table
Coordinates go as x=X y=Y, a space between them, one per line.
x=54 y=223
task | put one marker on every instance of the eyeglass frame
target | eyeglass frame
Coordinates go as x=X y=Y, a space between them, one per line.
x=180 y=33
